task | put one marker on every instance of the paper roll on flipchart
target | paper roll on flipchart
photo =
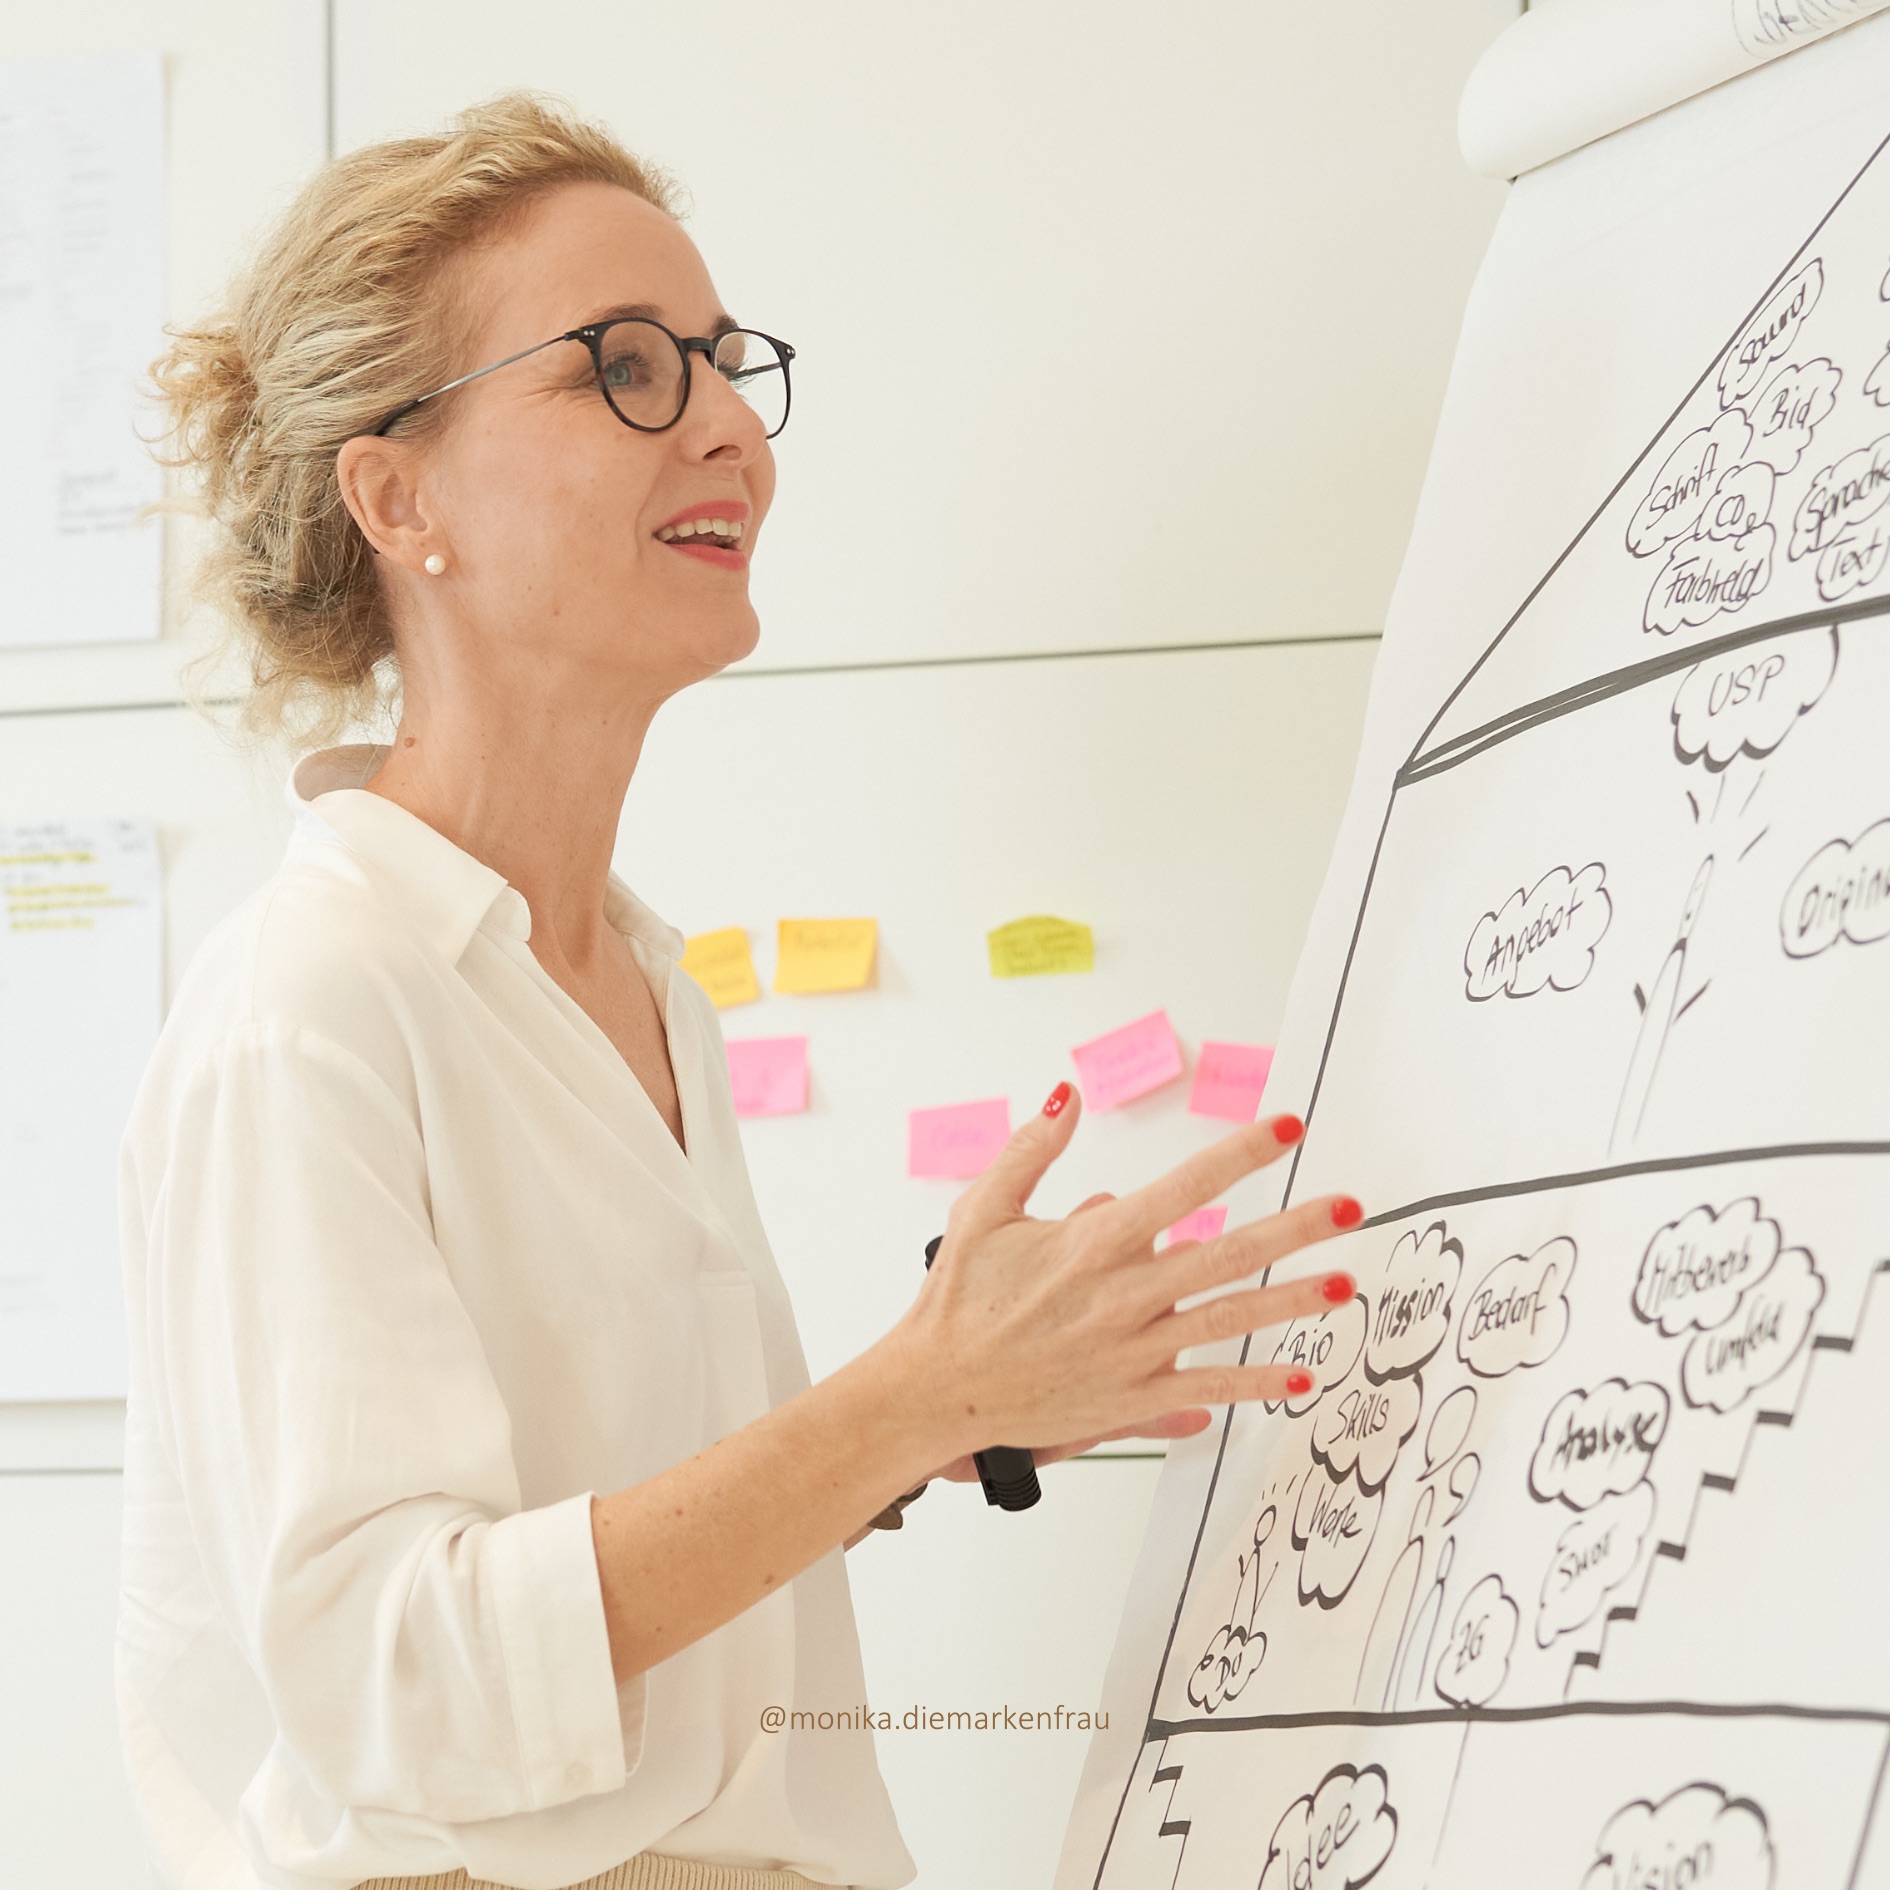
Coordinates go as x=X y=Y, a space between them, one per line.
x=1571 y=71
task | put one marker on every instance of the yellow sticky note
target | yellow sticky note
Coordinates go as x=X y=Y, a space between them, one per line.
x=1027 y=948
x=719 y=962
x=825 y=954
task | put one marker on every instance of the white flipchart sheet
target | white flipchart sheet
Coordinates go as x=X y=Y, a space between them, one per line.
x=81 y=999
x=1573 y=1570
x=81 y=312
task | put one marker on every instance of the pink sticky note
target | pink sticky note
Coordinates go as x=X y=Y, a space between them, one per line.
x=1202 y=1224
x=768 y=1075
x=1229 y=1079
x=959 y=1141
x=1129 y=1062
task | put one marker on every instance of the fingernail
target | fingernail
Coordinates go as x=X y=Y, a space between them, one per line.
x=1298 y=1384
x=1287 y=1130
x=1059 y=1100
x=1346 y=1212
x=1337 y=1288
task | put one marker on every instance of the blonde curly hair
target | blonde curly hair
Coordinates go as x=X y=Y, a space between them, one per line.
x=344 y=312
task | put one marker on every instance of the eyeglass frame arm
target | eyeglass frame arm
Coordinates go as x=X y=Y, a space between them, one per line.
x=591 y=334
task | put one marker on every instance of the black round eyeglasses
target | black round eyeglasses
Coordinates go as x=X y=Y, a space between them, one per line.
x=642 y=370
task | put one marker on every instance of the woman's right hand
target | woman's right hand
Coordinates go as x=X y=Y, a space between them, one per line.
x=1042 y=1333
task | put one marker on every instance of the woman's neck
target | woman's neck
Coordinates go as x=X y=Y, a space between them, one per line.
x=530 y=786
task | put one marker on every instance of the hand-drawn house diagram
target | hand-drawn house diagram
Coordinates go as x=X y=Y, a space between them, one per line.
x=1576 y=1569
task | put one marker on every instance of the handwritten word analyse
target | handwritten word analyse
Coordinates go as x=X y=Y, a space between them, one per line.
x=768 y=1075
x=1229 y=1080
x=1542 y=939
x=819 y=955
x=720 y=963
x=1842 y=891
x=1040 y=945
x=1599 y=1443
x=1129 y=1062
x=958 y=1141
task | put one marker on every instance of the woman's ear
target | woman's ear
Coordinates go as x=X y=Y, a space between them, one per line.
x=380 y=485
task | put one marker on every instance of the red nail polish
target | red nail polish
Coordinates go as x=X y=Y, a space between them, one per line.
x=1346 y=1212
x=1298 y=1384
x=1059 y=1099
x=1337 y=1287
x=1287 y=1130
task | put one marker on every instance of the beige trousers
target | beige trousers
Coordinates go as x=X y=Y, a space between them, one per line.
x=645 y=1871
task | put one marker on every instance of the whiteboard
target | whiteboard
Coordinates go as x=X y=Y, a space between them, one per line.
x=1568 y=1571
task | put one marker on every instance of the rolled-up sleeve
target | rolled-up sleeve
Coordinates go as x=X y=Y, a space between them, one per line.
x=426 y=1643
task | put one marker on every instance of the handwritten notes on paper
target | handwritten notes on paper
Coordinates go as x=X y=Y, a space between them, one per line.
x=81 y=997
x=957 y=1142
x=817 y=955
x=1124 y=1064
x=768 y=1075
x=1203 y=1224
x=1229 y=1079
x=81 y=304
x=720 y=963
x=1033 y=947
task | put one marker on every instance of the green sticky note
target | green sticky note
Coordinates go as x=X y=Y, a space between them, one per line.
x=1028 y=948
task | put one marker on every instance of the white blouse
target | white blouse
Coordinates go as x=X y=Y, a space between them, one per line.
x=414 y=1267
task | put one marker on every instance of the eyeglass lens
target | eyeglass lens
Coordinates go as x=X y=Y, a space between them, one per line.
x=642 y=374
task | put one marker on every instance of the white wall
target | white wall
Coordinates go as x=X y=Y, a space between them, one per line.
x=1032 y=174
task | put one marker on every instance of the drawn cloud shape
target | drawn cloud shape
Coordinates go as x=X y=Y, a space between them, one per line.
x=1695 y=1268
x=1327 y=1346
x=1841 y=496
x=1594 y=1555
x=1450 y=1425
x=1741 y=502
x=1333 y=1528
x=1842 y=891
x=1798 y=399
x=1411 y=1304
x=1598 y=1443
x=1769 y=336
x=1725 y=1366
x=1517 y=1314
x=1232 y=1658
x=1746 y=701
x=1686 y=481
x=1336 y=1837
x=1363 y=1429
x=1475 y=1660
x=1664 y=1843
x=1546 y=936
x=1704 y=576
x=1853 y=561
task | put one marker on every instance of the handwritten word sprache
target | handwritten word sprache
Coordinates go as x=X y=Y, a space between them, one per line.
x=1040 y=946
x=1203 y=1224
x=1229 y=1080
x=958 y=1141
x=1841 y=495
x=1130 y=1062
x=720 y=963
x=768 y=1075
x=818 y=955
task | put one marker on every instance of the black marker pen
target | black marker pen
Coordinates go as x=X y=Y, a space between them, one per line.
x=1009 y=1475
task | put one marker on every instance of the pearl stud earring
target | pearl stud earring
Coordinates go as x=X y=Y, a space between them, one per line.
x=435 y=564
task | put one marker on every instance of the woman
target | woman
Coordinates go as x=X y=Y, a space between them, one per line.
x=477 y=1500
